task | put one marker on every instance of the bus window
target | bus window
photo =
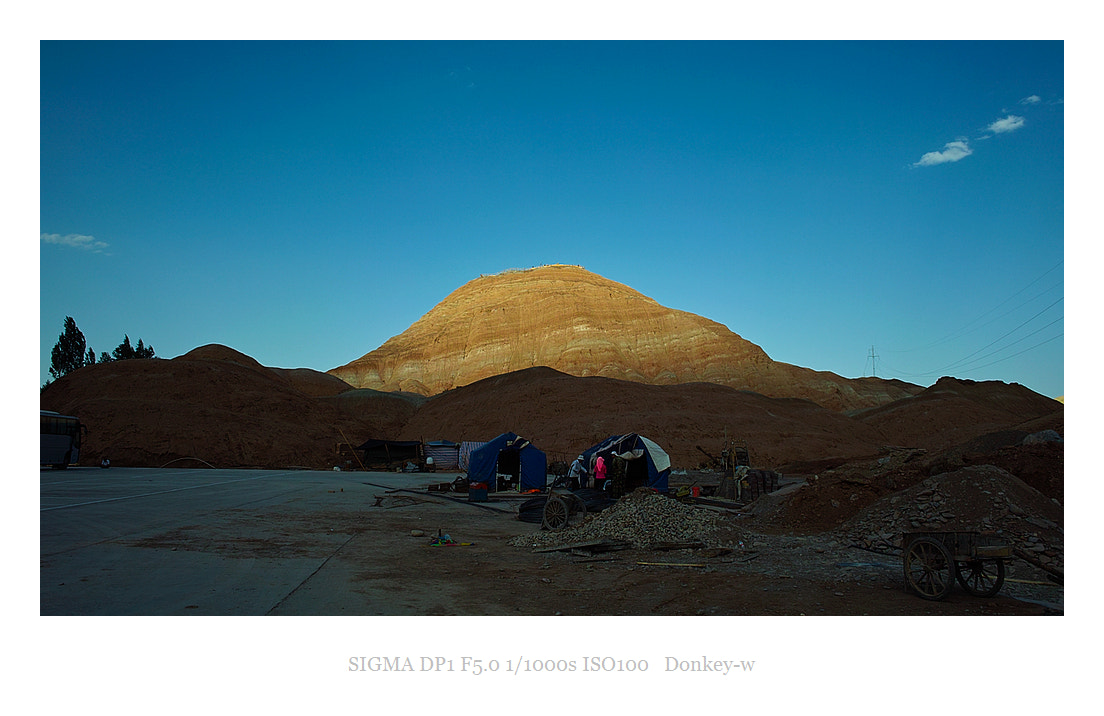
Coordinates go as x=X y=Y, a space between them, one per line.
x=61 y=439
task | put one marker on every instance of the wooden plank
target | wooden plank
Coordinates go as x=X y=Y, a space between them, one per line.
x=601 y=545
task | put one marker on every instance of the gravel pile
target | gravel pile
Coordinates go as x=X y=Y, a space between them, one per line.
x=642 y=517
x=980 y=498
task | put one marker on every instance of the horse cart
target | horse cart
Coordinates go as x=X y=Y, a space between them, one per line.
x=934 y=560
x=562 y=508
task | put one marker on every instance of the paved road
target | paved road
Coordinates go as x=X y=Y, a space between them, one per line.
x=160 y=541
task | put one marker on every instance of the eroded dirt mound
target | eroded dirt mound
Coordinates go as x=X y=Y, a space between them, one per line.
x=226 y=411
x=953 y=411
x=836 y=491
x=563 y=415
x=313 y=382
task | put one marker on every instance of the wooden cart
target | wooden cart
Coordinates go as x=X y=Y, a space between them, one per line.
x=561 y=508
x=934 y=560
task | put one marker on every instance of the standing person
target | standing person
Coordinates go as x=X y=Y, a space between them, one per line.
x=576 y=475
x=600 y=473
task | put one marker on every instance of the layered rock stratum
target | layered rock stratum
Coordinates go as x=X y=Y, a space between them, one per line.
x=582 y=324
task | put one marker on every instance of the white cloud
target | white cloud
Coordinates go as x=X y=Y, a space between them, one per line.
x=952 y=152
x=1009 y=124
x=76 y=241
x=1033 y=99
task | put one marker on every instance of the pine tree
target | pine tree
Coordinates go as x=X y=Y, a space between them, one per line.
x=123 y=351
x=143 y=351
x=68 y=353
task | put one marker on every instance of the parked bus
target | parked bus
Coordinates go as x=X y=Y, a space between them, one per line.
x=61 y=439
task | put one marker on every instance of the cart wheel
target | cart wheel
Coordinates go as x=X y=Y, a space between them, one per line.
x=556 y=513
x=929 y=568
x=980 y=578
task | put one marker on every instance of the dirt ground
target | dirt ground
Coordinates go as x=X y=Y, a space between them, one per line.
x=488 y=573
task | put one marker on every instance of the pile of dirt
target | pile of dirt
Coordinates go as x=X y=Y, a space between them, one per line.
x=564 y=415
x=979 y=498
x=212 y=406
x=838 y=493
x=953 y=411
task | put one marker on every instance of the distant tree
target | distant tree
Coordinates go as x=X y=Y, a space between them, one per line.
x=68 y=353
x=143 y=351
x=125 y=351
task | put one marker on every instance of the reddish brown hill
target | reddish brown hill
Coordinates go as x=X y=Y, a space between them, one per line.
x=582 y=324
x=563 y=415
x=213 y=404
x=311 y=382
x=953 y=411
x=220 y=406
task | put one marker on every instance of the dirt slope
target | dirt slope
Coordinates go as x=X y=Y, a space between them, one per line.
x=216 y=405
x=954 y=411
x=563 y=415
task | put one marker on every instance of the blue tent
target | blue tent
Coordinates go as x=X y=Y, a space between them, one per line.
x=648 y=465
x=509 y=454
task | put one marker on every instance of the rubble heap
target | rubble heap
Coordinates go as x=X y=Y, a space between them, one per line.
x=641 y=517
x=979 y=498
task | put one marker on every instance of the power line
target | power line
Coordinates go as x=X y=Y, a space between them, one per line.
x=904 y=374
x=1025 y=350
x=1018 y=340
x=998 y=340
x=963 y=330
x=963 y=363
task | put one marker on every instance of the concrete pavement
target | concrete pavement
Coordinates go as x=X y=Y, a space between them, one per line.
x=153 y=541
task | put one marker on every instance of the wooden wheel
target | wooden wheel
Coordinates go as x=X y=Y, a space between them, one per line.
x=556 y=513
x=929 y=568
x=982 y=579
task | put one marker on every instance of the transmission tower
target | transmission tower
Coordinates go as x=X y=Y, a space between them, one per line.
x=873 y=362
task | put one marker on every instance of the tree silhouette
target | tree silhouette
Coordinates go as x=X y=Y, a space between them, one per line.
x=125 y=351
x=68 y=353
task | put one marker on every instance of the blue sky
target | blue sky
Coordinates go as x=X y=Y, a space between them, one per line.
x=304 y=202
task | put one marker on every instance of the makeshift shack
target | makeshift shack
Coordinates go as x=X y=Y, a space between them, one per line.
x=508 y=462
x=444 y=454
x=467 y=447
x=632 y=461
x=390 y=454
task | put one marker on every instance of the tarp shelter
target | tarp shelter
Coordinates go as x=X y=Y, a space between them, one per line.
x=467 y=447
x=445 y=454
x=516 y=459
x=646 y=463
x=387 y=453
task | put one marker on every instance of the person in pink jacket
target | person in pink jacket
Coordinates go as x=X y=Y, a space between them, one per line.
x=600 y=473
